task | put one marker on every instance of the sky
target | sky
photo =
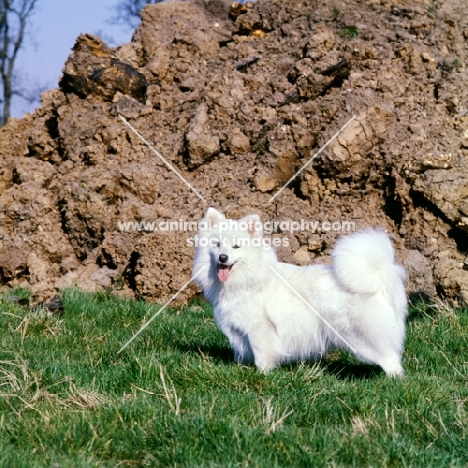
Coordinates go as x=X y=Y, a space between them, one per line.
x=53 y=29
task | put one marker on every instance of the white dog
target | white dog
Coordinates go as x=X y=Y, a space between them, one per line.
x=275 y=313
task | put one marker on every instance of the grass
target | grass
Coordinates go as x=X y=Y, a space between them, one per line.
x=350 y=32
x=174 y=398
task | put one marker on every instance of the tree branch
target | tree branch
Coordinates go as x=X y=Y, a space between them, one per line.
x=14 y=17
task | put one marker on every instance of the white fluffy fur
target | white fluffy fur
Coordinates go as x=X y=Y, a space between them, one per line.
x=358 y=303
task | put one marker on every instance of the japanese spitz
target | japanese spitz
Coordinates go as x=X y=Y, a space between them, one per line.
x=274 y=313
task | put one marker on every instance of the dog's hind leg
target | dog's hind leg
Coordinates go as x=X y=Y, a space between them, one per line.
x=388 y=360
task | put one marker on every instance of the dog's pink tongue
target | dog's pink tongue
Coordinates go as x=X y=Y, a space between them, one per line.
x=223 y=273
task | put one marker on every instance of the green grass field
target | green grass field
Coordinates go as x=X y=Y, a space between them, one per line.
x=174 y=397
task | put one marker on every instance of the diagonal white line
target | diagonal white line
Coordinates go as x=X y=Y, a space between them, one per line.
x=157 y=153
x=312 y=158
x=312 y=309
x=161 y=309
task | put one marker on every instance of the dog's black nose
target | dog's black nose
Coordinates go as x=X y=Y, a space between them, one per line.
x=223 y=258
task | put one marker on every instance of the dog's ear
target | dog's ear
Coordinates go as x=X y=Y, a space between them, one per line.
x=213 y=216
x=254 y=225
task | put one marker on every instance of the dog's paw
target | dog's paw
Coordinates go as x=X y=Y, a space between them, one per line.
x=394 y=370
x=265 y=367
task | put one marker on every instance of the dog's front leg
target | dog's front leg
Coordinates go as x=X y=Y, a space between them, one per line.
x=240 y=345
x=268 y=351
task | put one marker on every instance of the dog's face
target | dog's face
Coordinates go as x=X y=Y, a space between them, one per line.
x=231 y=244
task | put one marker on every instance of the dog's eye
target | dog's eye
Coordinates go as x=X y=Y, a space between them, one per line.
x=216 y=244
x=236 y=246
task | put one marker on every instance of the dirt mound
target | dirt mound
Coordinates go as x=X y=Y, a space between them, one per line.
x=236 y=101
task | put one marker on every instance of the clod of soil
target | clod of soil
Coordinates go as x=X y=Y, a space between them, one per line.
x=237 y=101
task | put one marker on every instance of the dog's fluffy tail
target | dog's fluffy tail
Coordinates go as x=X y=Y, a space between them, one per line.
x=364 y=263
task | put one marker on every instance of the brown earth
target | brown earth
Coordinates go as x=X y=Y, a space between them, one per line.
x=237 y=101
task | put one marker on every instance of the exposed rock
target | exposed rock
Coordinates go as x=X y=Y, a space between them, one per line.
x=302 y=256
x=158 y=276
x=93 y=69
x=239 y=142
x=14 y=264
x=237 y=99
x=265 y=183
x=452 y=278
x=448 y=191
x=421 y=281
x=202 y=142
